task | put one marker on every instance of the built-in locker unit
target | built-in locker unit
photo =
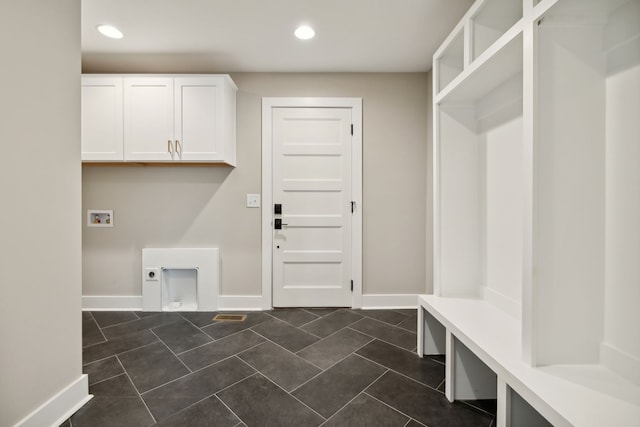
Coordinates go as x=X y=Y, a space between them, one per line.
x=537 y=211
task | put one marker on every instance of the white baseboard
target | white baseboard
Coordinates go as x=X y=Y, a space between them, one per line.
x=239 y=302
x=61 y=406
x=112 y=303
x=503 y=302
x=389 y=301
x=134 y=303
x=620 y=362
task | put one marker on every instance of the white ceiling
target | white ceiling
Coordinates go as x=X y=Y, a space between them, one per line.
x=257 y=35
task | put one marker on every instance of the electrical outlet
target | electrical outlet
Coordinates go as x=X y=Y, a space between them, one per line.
x=253 y=200
x=152 y=274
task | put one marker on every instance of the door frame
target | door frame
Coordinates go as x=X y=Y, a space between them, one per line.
x=268 y=104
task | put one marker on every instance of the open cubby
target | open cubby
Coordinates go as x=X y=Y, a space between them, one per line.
x=474 y=380
x=491 y=21
x=522 y=414
x=451 y=62
x=587 y=236
x=434 y=336
x=483 y=78
x=479 y=194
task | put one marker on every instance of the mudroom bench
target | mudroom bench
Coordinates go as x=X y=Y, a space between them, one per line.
x=483 y=350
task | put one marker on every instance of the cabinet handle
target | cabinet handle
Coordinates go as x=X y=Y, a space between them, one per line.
x=178 y=148
x=169 y=148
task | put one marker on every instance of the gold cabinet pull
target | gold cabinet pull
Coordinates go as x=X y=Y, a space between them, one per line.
x=178 y=148
x=169 y=148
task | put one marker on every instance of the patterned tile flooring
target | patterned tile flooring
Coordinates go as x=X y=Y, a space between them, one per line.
x=285 y=367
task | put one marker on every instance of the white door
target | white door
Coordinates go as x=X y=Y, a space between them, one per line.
x=312 y=183
x=102 y=119
x=148 y=119
x=197 y=101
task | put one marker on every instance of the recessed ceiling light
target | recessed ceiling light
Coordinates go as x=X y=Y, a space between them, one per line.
x=110 y=31
x=304 y=32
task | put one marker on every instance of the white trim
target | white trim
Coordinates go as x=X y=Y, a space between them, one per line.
x=134 y=303
x=61 y=406
x=356 y=170
x=529 y=219
x=435 y=194
x=389 y=301
x=112 y=302
x=267 y=202
x=243 y=302
x=620 y=362
x=503 y=404
x=240 y=302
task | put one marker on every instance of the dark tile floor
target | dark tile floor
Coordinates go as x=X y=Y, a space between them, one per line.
x=293 y=367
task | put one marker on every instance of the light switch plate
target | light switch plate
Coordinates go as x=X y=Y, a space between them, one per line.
x=253 y=200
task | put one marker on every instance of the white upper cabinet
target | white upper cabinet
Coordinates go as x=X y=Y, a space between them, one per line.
x=204 y=111
x=148 y=124
x=102 y=132
x=185 y=118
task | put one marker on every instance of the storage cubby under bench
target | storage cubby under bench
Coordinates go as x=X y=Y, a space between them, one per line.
x=482 y=348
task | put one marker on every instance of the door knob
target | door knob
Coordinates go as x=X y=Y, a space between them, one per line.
x=277 y=224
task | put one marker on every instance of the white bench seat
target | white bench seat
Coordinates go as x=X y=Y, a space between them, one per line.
x=568 y=395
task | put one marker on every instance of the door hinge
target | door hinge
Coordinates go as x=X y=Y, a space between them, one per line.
x=352 y=286
x=351 y=129
x=353 y=206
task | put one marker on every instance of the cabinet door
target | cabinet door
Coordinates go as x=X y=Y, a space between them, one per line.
x=148 y=119
x=102 y=132
x=198 y=105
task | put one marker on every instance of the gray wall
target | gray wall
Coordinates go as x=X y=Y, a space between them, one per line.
x=205 y=206
x=40 y=250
